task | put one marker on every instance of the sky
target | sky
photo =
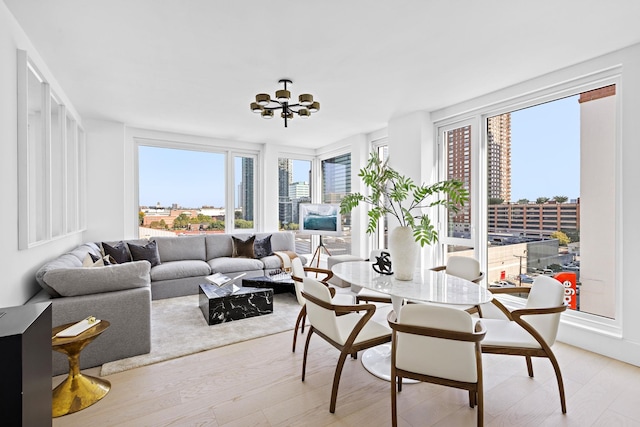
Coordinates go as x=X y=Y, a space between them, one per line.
x=545 y=162
x=545 y=150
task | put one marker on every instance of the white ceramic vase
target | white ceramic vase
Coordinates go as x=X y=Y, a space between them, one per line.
x=404 y=252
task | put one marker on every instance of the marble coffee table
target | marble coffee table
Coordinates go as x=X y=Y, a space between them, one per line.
x=221 y=304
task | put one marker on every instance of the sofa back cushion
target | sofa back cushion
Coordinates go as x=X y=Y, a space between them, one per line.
x=181 y=248
x=281 y=241
x=74 y=281
x=219 y=245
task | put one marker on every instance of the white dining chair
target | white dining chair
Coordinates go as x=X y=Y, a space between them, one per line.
x=298 y=273
x=532 y=330
x=439 y=345
x=346 y=327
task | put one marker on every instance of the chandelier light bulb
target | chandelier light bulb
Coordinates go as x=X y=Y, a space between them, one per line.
x=283 y=95
x=256 y=108
x=263 y=98
x=314 y=107
x=305 y=99
x=267 y=114
x=304 y=113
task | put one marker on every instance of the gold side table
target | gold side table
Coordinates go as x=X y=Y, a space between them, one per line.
x=77 y=391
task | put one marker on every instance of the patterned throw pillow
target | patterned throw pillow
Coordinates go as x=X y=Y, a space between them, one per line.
x=243 y=248
x=262 y=247
x=148 y=252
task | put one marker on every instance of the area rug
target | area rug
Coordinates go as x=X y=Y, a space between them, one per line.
x=178 y=328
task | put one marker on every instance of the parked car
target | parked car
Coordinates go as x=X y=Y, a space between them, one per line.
x=502 y=284
x=526 y=279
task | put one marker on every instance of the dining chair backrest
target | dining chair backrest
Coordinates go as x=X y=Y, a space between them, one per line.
x=546 y=292
x=463 y=267
x=438 y=357
x=297 y=270
x=322 y=319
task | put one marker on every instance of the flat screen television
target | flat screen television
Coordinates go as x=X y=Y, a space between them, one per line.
x=323 y=219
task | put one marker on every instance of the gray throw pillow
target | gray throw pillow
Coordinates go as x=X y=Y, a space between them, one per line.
x=148 y=252
x=262 y=247
x=119 y=252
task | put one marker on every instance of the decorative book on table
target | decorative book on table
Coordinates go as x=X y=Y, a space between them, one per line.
x=222 y=279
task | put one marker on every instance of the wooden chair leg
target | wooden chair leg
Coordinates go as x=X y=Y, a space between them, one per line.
x=529 y=366
x=480 y=403
x=394 y=398
x=306 y=348
x=472 y=398
x=556 y=367
x=399 y=384
x=295 y=330
x=336 y=381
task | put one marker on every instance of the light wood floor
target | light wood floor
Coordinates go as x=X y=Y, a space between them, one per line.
x=257 y=383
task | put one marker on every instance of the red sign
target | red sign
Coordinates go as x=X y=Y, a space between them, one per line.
x=503 y=275
x=568 y=279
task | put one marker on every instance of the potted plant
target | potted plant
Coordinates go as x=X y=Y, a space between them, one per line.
x=399 y=196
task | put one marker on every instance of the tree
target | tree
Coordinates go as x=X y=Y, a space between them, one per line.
x=163 y=224
x=495 y=201
x=140 y=218
x=542 y=200
x=560 y=199
x=523 y=201
x=563 y=239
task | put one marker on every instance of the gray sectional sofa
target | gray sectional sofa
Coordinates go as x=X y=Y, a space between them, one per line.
x=122 y=293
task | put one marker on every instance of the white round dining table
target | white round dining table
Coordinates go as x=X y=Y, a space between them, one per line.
x=427 y=286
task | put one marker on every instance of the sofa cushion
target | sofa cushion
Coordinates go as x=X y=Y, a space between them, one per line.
x=281 y=241
x=218 y=245
x=148 y=252
x=262 y=247
x=180 y=269
x=243 y=248
x=172 y=248
x=119 y=251
x=75 y=281
x=232 y=265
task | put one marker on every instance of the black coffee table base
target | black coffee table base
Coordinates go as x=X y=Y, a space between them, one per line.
x=221 y=304
x=278 y=286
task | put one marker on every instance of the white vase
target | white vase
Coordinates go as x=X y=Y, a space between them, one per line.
x=404 y=252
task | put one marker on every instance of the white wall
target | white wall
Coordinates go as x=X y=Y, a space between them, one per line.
x=18 y=267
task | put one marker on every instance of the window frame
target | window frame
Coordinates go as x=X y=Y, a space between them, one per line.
x=528 y=98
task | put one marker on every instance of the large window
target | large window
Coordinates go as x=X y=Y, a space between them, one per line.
x=294 y=187
x=539 y=199
x=336 y=183
x=244 y=173
x=457 y=163
x=180 y=191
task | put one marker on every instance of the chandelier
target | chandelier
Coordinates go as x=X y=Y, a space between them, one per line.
x=266 y=106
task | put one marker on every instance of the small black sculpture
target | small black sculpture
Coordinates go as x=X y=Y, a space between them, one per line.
x=383 y=264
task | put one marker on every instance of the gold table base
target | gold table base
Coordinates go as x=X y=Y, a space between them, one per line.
x=78 y=392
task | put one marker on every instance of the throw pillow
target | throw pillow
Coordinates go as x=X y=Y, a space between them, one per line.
x=243 y=248
x=148 y=252
x=92 y=260
x=119 y=252
x=262 y=247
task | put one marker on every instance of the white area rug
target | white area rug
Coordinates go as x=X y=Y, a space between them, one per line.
x=178 y=328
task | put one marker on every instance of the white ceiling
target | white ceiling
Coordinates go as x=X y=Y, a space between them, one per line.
x=193 y=66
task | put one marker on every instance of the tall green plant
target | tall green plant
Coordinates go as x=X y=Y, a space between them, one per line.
x=398 y=195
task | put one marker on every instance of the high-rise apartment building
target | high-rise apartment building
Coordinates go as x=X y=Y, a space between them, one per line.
x=499 y=157
x=459 y=167
x=285 y=176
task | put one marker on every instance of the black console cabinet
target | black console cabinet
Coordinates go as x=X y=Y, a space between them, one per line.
x=25 y=370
